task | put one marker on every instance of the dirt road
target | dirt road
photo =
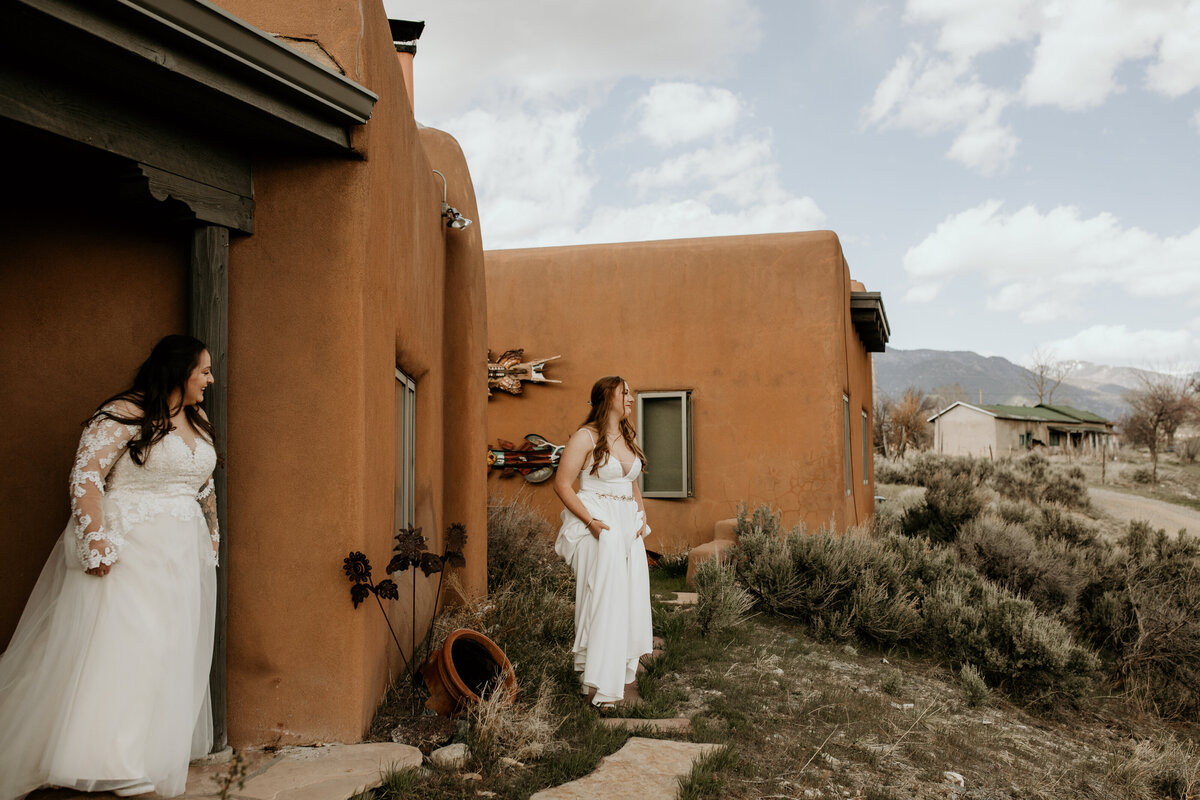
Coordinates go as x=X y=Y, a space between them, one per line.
x=1159 y=514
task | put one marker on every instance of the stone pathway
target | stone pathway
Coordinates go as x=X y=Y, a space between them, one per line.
x=335 y=772
x=644 y=769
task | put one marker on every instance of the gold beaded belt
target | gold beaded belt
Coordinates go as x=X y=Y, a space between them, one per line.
x=611 y=496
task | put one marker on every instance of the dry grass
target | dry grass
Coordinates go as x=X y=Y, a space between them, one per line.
x=517 y=730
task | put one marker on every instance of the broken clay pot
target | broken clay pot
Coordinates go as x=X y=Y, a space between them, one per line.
x=466 y=667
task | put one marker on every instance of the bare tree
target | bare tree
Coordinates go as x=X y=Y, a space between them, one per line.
x=1157 y=408
x=901 y=424
x=1045 y=372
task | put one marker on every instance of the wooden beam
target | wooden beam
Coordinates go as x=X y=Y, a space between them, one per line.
x=209 y=322
x=199 y=201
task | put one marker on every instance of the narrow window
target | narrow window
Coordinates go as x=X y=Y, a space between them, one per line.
x=848 y=460
x=665 y=435
x=866 y=447
x=406 y=451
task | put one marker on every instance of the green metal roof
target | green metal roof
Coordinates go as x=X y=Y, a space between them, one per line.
x=1075 y=413
x=1036 y=413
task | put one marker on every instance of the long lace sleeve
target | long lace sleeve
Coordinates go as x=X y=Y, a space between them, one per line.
x=102 y=443
x=207 y=497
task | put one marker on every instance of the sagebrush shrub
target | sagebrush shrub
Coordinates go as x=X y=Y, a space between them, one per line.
x=722 y=602
x=975 y=688
x=1055 y=523
x=1142 y=610
x=897 y=590
x=951 y=500
x=1008 y=555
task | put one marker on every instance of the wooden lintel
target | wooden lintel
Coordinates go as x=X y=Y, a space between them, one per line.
x=204 y=203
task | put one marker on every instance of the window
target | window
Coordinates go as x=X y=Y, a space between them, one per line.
x=1055 y=438
x=866 y=448
x=846 y=443
x=665 y=435
x=406 y=451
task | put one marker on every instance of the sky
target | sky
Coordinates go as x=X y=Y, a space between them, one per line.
x=1012 y=175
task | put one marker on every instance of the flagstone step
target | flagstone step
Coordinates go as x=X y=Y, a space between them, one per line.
x=644 y=769
x=676 y=725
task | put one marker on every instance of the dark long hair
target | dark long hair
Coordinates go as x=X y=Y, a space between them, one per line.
x=601 y=402
x=168 y=368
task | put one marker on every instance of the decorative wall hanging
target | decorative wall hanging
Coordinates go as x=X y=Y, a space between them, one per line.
x=535 y=460
x=507 y=371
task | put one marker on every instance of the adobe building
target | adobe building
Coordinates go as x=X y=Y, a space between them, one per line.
x=252 y=174
x=751 y=357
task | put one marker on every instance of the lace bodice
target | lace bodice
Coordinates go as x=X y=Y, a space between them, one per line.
x=173 y=479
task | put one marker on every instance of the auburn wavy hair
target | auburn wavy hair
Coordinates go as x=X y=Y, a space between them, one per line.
x=602 y=402
x=168 y=368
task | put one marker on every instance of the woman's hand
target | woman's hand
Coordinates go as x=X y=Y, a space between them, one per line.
x=595 y=526
x=99 y=570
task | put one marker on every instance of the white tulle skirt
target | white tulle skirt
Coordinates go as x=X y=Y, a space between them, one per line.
x=105 y=680
x=612 y=595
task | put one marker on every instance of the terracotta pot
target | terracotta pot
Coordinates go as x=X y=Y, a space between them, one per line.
x=466 y=666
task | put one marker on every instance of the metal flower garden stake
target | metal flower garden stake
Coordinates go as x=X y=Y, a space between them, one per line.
x=409 y=551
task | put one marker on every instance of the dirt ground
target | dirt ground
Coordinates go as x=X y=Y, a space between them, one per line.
x=1126 y=507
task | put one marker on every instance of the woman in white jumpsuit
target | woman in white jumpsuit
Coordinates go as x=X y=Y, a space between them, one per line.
x=601 y=539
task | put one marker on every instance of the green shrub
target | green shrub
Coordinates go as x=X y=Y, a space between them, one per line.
x=1139 y=475
x=975 y=688
x=1052 y=522
x=1009 y=556
x=951 y=501
x=899 y=590
x=722 y=602
x=1142 y=611
x=1017 y=512
x=1031 y=656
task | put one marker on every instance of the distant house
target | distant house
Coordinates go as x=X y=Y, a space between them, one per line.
x=970 y=429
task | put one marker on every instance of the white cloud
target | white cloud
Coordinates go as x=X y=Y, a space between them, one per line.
x=524 y=192
x=541 y=193
x=1078 y=48
x=675 y=113
x=1196 y=121
x=741 y=170
x=931 y=94
x=969 y=29
x=1177 y=70
x=1082 y=43
x=1117 y=344
x=1041 y=264
x=485 y=52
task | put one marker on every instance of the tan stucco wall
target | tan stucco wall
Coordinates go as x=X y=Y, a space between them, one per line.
x=757 y=326
x=349 y=274
x=965 y=431
x=85 y=291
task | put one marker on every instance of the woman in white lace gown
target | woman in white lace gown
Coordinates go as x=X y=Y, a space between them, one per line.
x=104 y=686
x=601 y=538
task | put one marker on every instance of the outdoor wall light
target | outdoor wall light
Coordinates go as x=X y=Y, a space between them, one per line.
x=449 y=213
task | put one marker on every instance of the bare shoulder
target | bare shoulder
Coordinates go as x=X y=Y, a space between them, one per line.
x=585 y=435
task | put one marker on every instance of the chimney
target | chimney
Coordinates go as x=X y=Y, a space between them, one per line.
x=404 y=36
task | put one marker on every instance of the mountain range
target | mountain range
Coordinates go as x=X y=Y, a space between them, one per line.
x=963 y=375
